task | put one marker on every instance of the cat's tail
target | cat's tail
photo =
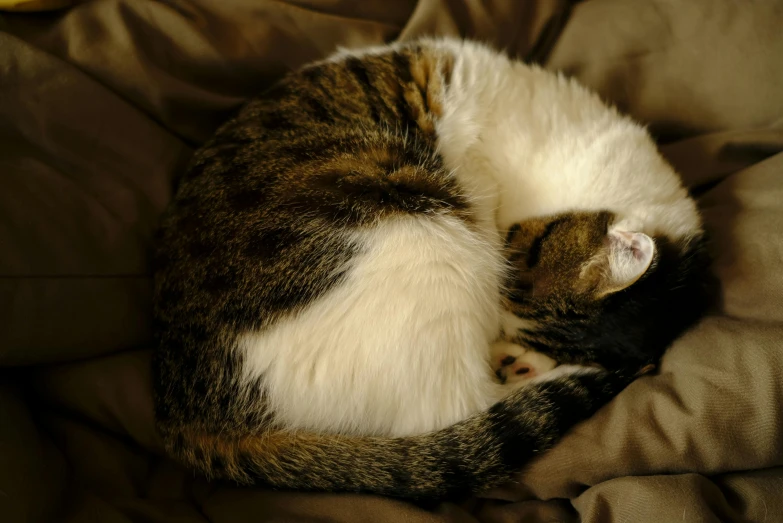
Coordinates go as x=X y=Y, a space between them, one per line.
x=469 y=457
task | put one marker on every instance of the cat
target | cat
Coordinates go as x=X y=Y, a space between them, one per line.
x=351 y=263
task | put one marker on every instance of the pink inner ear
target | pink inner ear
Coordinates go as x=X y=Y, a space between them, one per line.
x=631 y=254
x=633 y=242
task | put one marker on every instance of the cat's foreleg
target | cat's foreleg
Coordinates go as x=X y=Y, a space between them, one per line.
x=514 y=365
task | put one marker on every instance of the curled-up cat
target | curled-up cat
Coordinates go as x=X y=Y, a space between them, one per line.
x=348 y=257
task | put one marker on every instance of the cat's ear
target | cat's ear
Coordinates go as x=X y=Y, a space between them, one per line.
x=629 y=255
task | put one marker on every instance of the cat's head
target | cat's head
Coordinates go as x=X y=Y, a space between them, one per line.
x=587 y=291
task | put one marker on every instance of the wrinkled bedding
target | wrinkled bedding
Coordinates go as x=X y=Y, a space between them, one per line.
x=101 y=105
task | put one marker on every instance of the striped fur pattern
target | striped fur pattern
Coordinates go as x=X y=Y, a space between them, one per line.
x=553 y=297
x=349 y=263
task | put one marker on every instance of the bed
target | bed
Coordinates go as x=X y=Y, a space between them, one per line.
x=101 y=106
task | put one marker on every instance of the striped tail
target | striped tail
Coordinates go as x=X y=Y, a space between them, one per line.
x=466 y=458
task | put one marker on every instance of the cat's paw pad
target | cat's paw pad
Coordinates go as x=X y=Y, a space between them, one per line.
x=514 y=364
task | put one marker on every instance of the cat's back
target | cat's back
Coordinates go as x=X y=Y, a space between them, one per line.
x=320 y=258
x=327 y=154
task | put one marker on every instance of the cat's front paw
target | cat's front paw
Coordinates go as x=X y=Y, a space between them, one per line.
x=514 y=364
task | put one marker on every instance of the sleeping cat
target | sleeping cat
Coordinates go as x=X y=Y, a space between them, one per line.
x=349 y=263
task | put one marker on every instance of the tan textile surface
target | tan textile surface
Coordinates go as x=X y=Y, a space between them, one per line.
x=101 y=106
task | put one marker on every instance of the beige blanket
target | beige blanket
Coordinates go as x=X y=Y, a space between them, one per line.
x=101 y=106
